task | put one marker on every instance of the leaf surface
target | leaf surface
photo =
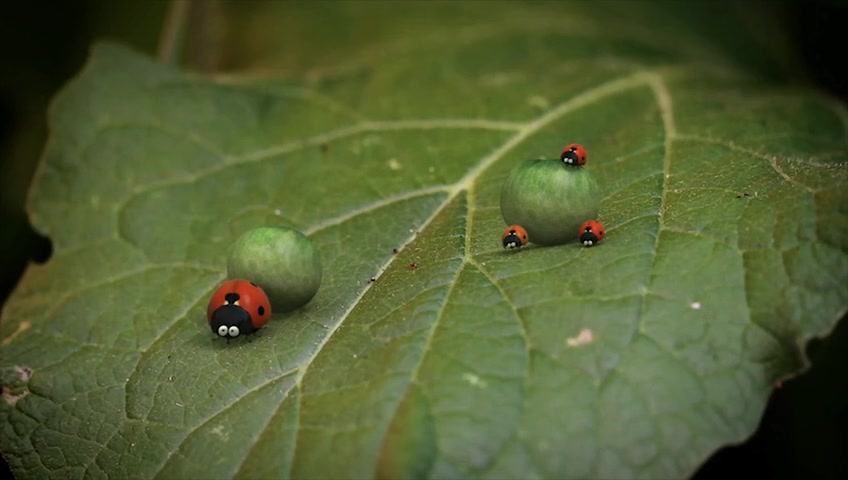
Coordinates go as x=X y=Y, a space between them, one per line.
x=724 y=201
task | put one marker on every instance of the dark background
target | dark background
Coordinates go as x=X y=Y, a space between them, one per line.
x=804 y=432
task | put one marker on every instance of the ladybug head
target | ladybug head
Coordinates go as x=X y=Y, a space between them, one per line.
x=573 y=155
x=511 y=240
x=588 y=238
x=514 y=239
x=231 y=320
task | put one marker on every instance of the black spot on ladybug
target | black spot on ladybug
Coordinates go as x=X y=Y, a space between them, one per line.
x=261 y=310
x=232 y=298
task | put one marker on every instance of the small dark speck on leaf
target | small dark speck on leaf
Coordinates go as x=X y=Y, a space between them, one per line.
x=395 y=250
x=372 y=280
x=324 y=147
x=744 y=194
x=413 y=265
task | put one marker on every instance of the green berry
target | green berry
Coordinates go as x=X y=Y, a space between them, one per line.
x=280 y=260
x=550 y=200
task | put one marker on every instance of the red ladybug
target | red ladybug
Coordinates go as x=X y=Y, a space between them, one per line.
x=238 y=307
x=514 y=236
x=573 y=154
x=591 y=232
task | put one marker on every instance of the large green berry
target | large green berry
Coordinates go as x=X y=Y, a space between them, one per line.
x=280 y=260
x=550 y=200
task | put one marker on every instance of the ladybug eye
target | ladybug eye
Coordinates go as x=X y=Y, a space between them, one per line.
x=234 y=331
x=222 y=331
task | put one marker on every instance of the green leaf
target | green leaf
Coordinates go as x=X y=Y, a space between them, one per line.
x=724 y=201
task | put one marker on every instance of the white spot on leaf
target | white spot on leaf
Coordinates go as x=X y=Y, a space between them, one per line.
x=219 y=431
x=11 y=398
x=583 y=338
x=24 y=373
x=500 y=79
x=474 y=380
x=539 y=102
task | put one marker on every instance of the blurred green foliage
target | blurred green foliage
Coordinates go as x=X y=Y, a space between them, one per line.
x=46 y=44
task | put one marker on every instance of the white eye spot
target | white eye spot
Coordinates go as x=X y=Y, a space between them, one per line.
x=234 y=331
x=222 y=331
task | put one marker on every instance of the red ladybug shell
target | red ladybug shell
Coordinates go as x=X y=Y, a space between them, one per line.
x=574 y=154
x=591 y=232
x=245 y=294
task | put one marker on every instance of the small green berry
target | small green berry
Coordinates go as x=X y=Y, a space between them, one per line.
x=280 y=260
x=549 y=199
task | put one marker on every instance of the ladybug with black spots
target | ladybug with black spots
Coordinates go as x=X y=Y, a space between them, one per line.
x=573 y=154
x=514 y=236
x=238 y=307
x=591 y=232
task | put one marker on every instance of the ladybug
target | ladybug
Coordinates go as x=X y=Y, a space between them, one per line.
x=573 y=154
x=514 y=236
x=591 y=232
x=238 y=307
